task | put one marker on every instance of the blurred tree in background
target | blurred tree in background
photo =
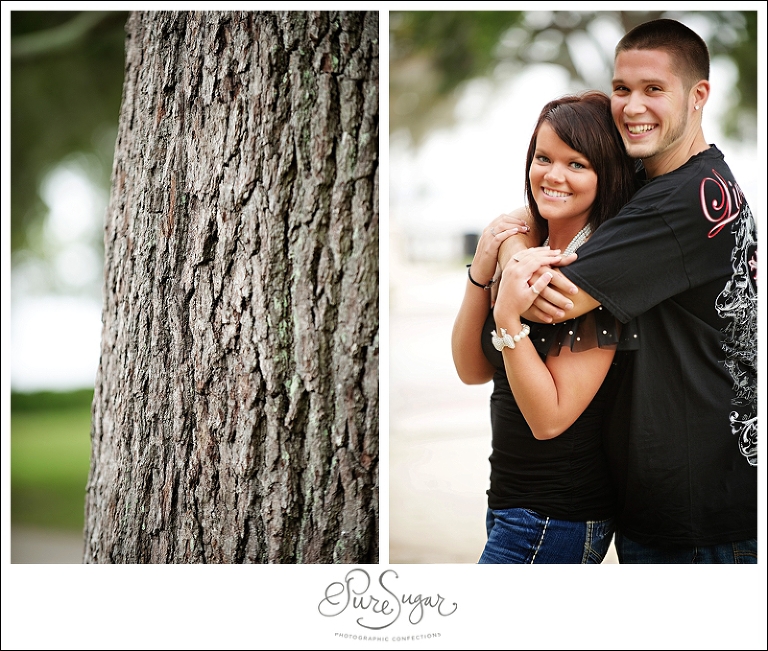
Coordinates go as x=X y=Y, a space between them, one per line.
x=66 y=85
x=433 y=52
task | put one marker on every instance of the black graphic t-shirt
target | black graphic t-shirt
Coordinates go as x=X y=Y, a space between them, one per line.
x=681 y=258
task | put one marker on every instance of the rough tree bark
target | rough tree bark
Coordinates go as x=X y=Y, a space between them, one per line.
x=235 y=415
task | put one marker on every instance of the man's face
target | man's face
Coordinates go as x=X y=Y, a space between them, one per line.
x=649 y=104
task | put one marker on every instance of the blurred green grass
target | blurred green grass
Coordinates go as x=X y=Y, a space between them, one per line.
x=50 y=457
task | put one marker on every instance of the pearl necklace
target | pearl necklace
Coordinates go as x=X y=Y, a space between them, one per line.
x=576 y=242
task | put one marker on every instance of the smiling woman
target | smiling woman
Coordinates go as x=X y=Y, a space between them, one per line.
x=551 y=499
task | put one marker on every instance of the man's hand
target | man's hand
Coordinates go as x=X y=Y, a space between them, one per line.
x=561 y=299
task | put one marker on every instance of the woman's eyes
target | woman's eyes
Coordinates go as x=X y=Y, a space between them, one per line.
x=540 y=158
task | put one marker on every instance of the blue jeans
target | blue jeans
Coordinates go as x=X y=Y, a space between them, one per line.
x=524 y=536
x=741 y=552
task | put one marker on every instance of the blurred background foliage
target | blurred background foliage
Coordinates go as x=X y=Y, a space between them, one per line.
x=66 y=85
x=433 y=52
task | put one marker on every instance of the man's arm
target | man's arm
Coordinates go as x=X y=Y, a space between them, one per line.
x=561 y=299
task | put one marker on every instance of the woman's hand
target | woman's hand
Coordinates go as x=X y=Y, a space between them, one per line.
x=486 y=255
x=515 y=294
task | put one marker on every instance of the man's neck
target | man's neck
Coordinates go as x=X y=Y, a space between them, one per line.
x=669 y=161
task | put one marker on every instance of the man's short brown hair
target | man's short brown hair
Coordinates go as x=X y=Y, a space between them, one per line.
x=687 y=49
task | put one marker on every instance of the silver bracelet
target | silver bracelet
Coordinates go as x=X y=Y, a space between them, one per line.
x=508 y=341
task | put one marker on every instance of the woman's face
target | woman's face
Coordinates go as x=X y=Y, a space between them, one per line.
x=563 y=182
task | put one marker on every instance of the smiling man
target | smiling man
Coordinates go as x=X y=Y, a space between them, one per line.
x=681 y=259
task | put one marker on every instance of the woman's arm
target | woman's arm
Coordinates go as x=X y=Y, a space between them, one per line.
x=468 y=357
x=533 y=237
x=551 y=395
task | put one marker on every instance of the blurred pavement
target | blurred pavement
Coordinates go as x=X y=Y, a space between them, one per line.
x=37 y=545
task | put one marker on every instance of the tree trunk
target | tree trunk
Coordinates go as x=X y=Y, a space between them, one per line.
x=235 y=417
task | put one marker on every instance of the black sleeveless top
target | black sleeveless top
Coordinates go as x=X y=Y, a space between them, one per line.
x=566 y=477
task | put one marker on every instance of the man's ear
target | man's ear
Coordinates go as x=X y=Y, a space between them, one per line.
x=700 y=94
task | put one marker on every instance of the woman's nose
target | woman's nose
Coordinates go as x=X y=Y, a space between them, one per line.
x=554 y=174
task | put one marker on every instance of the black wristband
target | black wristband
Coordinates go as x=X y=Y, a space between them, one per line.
x=475 y=283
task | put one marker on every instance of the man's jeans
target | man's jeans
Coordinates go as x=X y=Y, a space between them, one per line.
x=743 y=551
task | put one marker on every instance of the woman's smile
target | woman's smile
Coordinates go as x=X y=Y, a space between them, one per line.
x=555 y=193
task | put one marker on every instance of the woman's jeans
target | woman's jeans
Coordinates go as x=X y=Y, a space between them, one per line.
x=741 y=552
x=523 y=536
